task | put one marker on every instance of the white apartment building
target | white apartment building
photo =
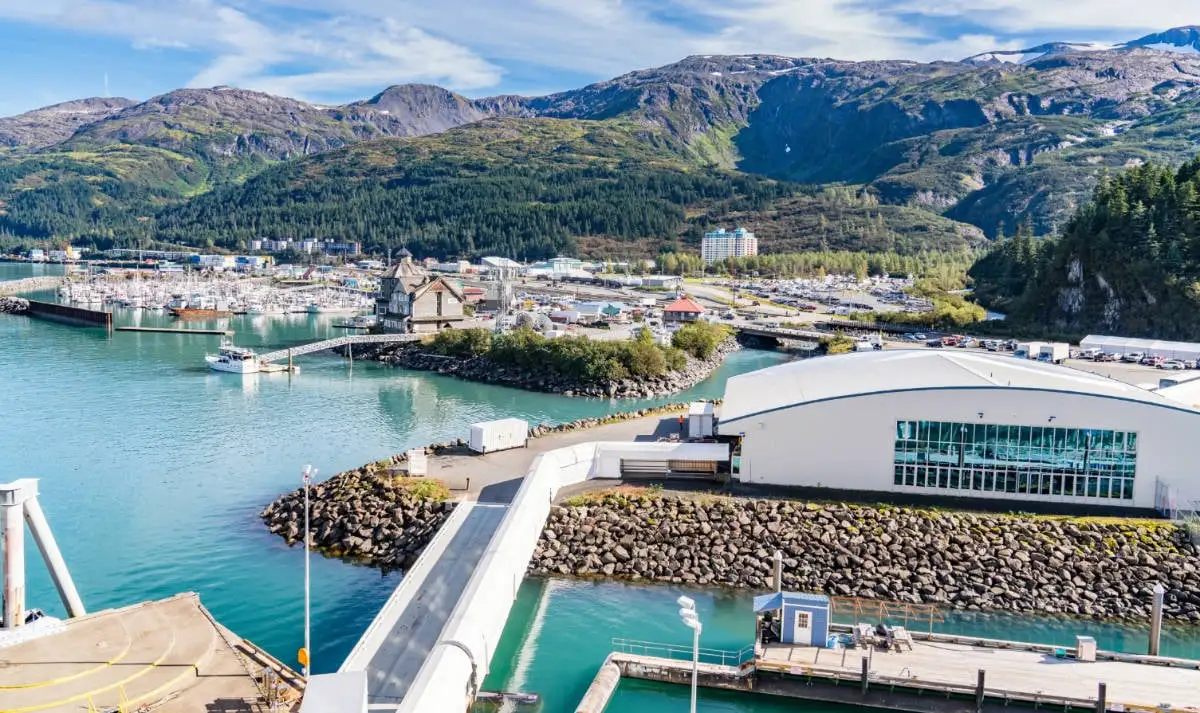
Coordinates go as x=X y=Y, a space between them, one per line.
x=722 y=244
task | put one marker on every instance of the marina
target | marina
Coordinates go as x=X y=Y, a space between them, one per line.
x=375 y=401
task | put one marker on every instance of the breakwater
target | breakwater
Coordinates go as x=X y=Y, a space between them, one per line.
x=367 y=514
x=13 y=305
x=29 y=284
x=70 y=315
x=962 y=561
x=482 y=369
x=373 y=516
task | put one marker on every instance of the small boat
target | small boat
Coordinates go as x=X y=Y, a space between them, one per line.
x=196 y=313
x=237 y=360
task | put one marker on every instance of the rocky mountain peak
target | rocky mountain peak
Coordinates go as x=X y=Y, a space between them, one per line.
x=1177 y=39
x=49 y=125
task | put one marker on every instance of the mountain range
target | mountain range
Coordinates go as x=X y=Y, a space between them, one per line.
x=811 y=152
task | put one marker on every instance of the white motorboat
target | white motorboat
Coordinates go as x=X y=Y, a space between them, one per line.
x=237 y=360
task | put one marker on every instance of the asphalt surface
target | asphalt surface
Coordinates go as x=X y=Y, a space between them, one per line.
x=418 y=627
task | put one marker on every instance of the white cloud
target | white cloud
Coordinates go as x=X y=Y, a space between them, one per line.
x=1081 y=15
x=339 y=54
x=349 y=47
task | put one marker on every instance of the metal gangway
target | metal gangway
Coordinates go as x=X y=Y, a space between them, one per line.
x=337 y=342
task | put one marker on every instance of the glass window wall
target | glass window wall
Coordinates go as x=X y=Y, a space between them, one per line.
x=1042 y=461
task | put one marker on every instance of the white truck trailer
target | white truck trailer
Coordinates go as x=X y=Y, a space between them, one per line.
x=1054 y=352
x=1028 y=350
x=489 y=436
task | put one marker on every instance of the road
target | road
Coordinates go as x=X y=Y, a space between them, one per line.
x=419 y=625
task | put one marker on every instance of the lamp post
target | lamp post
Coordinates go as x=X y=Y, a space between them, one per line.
x=305 y=653
x=687 y=612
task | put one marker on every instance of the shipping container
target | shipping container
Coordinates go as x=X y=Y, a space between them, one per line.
x=498 y=435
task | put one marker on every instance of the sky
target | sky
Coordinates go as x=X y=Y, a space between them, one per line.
x=334 y=51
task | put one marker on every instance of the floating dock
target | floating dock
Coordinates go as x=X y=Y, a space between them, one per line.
x=177 y=330
x=940 y=674
x=170 y=656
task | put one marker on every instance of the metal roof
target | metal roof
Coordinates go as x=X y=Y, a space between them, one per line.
x=768 y=602
x=862 y=373
x=1125 y=345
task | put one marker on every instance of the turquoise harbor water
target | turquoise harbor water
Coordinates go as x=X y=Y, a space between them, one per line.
x=153 y=470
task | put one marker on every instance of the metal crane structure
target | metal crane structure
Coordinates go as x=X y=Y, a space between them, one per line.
x=18 y=500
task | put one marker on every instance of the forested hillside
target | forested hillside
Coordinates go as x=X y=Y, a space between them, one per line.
x=534 y=188
x=1128 y=262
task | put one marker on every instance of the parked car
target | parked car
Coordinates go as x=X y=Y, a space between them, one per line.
x=1172 y=364
x=1151 y=360
x=935 y=343
x=1108 y=356
x=910 y=338
x=920 y=337
x=1132 y=357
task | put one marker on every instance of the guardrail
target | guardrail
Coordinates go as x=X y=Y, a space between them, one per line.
x=683 y=652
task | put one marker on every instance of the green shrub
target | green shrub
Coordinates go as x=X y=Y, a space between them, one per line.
x=700 y=338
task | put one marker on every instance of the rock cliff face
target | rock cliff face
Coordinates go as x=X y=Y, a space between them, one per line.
x=955 y=560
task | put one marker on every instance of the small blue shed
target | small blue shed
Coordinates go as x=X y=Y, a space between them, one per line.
x=803 y=618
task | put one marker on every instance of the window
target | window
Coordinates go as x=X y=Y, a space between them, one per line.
x=1039 y=461
x=802 y=620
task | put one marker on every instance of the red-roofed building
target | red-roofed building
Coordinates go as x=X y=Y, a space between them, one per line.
x=684 y=309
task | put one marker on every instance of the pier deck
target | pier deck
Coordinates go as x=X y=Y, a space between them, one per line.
x=942 y=677
x=169 y=654
x=177 y=330
x=1014 y=674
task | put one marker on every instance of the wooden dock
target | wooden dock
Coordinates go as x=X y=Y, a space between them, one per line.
x=177 y=330
x=944 y=677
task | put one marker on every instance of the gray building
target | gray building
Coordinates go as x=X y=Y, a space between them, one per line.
x=413 y=301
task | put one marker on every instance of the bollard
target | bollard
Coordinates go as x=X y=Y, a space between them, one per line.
x=866 y=664
x=979 y=692
x=1101 y=704
x=1156 y=619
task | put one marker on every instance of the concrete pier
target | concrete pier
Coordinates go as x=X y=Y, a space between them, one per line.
x=177 y=330
x=943 y=677
x=169 y=655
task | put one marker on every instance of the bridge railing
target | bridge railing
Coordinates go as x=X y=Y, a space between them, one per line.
x=683 y=652
x=335 y=342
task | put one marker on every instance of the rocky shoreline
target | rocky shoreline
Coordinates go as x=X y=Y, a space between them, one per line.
x=13 y=305
x=413 y=356
x=373 y=516
x=367 y=515
x=953 y=560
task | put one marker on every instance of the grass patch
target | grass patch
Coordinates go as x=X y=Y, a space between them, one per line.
x=423 y=488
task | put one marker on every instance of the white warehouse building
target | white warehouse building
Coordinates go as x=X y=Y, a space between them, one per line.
x=967 y=425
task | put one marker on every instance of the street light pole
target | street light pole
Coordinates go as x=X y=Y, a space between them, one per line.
x=306 y=659
x=687 y=612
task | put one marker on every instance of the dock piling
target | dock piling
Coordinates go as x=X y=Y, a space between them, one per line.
x=979 y=692
x=1156 y=619
x=1101 y=694
x=866 y=667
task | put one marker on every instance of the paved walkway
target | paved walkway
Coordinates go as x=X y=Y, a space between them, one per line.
x=495 y=477
x=419 y=624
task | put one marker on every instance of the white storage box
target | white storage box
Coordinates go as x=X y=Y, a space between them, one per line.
x=498 y=435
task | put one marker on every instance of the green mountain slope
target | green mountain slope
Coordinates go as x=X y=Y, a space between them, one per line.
x=924 y=149
x=528 y=188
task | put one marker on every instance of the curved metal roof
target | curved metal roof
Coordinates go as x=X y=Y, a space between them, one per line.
x=861 y=373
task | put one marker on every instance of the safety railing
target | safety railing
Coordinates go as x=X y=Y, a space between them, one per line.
x=683 y=652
